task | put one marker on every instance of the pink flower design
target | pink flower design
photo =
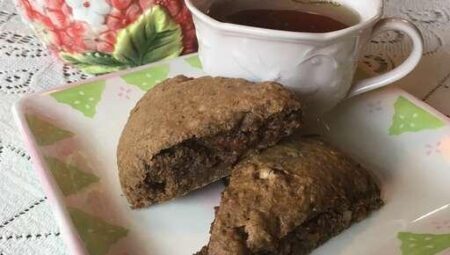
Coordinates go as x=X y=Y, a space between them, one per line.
x=145 y=4
x=444 y=147
x=441 y=147
x=189 y=36
x=105 y=42
x=120 y=18
x=59 y=17
x=375 y=106
x=79 y=26
x=182 y=16
x=62 y=33
x=97 y=201
x=441 y=225
x=120 y=4
x=433 y=148
x=173 y=7
x=124 y=92
x=67 y=149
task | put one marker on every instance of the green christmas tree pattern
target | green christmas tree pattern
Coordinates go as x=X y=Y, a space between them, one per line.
x=69 y=178
x=147 y=78
x=45 y=132
x=194 y=61
x=97 y=235
x=409 y=117
x=83 y=98
x=423 y=244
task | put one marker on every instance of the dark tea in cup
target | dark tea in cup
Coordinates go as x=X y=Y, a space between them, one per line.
x=294 y=20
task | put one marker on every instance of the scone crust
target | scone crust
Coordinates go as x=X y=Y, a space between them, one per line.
x=272 y=194
x=182 y=108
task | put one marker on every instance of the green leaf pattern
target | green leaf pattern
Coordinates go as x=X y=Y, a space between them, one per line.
x=97 y=235
x=154 y=36
x=423 y=244
x=409 y=117
x=194 y=61
x=69 y=178
x=83 y=98
x=94 y=62
x=147 y=78
x=45 y=132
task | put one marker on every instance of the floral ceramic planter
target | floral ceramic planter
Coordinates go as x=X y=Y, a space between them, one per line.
x=101 y=36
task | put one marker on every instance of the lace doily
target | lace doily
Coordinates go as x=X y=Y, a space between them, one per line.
x=26 y=222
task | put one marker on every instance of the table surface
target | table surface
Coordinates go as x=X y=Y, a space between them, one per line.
x=26 y=221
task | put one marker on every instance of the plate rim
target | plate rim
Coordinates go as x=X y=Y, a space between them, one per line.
x=69 y=233
x=48 y=183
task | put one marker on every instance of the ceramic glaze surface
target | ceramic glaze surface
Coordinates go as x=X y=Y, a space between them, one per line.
x=72 y=140
x=318 y=66
x=101 y=36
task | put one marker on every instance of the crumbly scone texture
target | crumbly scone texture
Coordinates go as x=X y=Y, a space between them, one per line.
x=168 y=121
x=290 y=199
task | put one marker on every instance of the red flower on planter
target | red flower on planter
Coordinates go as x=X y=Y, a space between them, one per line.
x=62 y=34
x=105 y=42
x=85 y=31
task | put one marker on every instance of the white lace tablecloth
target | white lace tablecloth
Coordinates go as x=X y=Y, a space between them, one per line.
x=26 y=221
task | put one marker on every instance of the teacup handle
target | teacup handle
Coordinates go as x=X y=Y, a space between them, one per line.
x=402 y=70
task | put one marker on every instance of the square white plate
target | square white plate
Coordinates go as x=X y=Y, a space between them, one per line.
x=72 y=134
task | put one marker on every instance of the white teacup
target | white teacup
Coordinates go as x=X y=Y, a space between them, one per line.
x=320 y=67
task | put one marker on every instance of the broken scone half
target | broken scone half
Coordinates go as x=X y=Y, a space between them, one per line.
x=186 y=133
x=290 y=199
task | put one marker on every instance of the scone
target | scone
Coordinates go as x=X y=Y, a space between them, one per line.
x=290 y=199
x=186 y=133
